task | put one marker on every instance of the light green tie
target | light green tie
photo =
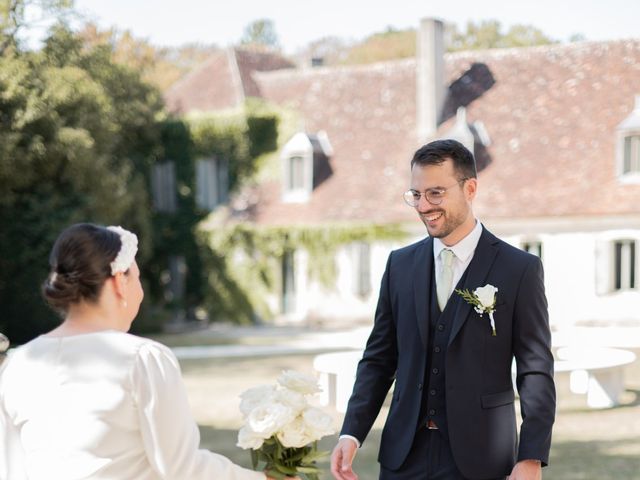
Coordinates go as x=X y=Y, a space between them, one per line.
x=443 y=285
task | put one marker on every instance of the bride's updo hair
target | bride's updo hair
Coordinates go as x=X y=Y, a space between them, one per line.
x=80 y=263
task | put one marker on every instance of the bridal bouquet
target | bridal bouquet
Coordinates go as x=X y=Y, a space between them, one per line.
x=282 y=429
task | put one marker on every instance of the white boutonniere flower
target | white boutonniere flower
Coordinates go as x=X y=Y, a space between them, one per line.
x=483 y=300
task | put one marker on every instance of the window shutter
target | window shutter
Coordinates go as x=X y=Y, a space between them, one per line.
x=163 y=187
x=201 y=183
x=604 y=267
x=223 y=181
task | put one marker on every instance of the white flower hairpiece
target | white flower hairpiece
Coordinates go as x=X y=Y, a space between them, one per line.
x=128 y=250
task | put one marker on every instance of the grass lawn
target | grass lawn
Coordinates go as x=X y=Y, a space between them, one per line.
x=588 y=444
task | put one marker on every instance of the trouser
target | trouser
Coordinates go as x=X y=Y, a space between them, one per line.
x=430 y=458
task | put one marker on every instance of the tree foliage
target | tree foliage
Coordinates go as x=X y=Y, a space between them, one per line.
x=389 y=45
x=18 y=15
x=489 y=34
x=160 y=66
x=396 y=44
x=260 y=32
x=75 y=132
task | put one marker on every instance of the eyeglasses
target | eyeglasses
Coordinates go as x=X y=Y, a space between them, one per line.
x=434 y=196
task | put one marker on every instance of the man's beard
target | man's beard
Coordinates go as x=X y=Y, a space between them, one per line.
x=450 y=223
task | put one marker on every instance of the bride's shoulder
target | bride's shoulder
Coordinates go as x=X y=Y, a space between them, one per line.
x=146 y=348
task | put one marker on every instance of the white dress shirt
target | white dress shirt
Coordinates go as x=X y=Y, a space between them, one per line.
x=462 y=254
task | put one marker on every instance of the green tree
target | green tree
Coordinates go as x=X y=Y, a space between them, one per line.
x=19 y=15
x=159 y=66
x=76 y=134
x=488 y=34
x=389 y=45
x=395 y=44
x=260 y=32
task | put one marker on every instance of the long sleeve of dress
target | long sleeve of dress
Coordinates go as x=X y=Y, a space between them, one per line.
x=11 y=455
x=170 y=435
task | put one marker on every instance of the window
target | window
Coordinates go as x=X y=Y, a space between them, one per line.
x=362 y=270
x=624 y=253
x=163 y=187
x=297 y=169
x=631 y=154
x=533 y=247
x=177 y=278
x=212 y=183
x=288 y=282
x=296 y=173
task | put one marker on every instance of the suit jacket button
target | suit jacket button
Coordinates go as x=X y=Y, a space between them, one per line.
x=432 y=412
x=437 y=349
x=419 y=386
x=441 y=327
x=435 y=371
x=432 y=392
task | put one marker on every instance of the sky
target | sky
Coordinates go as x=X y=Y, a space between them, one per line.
x=298 y=22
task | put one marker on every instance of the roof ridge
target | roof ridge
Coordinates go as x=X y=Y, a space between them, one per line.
x=496 y=52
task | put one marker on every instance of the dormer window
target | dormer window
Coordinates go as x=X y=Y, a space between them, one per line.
x=296 y=173
x=628 y=146
x=305 y=162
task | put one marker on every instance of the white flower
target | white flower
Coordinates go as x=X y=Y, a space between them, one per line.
x=128 y=249
x=317 y=423
x=247 y=438
x=255 y=397
x=295 y=400
x=483 y=300
x=299 y=382
x=295 y=434
x=486 y=296
x=265 y=420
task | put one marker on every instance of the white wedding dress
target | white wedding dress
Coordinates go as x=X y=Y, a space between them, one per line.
x=104 y=405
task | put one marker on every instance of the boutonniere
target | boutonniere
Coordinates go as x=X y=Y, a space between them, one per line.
x=483 y=300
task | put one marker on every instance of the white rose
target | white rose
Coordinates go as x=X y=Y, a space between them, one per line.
x=294 y=434
x=486 y=295
x=266 y=420
x=247 y=438
x=299 y=382
x=317 y=423
x=255 y=397
x=296 y=401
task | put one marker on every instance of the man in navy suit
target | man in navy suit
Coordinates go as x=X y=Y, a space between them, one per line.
x=452 y=413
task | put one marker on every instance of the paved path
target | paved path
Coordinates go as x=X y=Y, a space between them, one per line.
x=262 y=341
x=281 y=341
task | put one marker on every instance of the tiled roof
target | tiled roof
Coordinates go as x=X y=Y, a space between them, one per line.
x=223 y=81
x=551 y=114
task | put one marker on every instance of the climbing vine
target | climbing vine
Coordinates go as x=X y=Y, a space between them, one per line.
x=248 y=259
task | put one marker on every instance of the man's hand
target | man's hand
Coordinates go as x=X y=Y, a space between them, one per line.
x=342 y=458
x=527 y=470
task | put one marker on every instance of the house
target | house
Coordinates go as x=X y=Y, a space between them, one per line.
x=556 y=134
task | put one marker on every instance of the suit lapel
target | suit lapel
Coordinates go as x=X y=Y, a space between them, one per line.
x=422 y=266
x=478 y=271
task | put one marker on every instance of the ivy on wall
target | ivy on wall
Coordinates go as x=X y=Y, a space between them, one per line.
x=245 y=262
x=240 y=138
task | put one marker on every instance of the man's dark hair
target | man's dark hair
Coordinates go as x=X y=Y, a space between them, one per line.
x=438 y=151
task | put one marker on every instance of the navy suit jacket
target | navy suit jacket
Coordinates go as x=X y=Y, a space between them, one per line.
x=479 y=391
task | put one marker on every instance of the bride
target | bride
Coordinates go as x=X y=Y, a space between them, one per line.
x=88 y=400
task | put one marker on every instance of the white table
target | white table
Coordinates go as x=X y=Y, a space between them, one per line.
x=595 y=371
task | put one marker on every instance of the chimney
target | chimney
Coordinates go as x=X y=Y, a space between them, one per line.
x=429 y=77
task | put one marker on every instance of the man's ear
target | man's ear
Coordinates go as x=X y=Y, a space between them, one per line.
x=471 y=188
